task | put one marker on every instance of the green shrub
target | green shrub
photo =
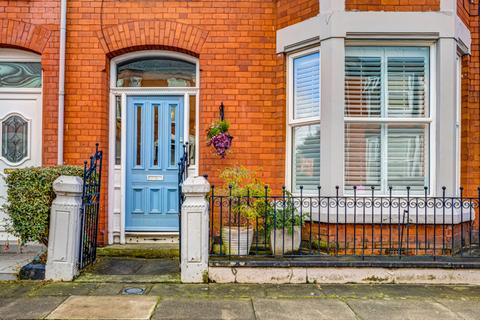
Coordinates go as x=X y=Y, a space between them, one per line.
x=29 y=198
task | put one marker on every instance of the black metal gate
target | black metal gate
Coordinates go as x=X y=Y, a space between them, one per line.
x=182 y=176
x=92 y=178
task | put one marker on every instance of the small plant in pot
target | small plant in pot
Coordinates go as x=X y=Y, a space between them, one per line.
x=285 y=226
x=245 y=194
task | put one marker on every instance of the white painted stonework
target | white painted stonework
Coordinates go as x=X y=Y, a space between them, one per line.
x=64 y=233
x=194 y=223
x=343 y=275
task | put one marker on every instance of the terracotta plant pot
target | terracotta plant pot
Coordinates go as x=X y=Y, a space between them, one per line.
x=235 y=242
x=283 y=240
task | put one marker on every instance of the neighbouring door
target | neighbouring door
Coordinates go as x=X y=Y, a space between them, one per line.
x=20 y=139
x=20 y=117
x=154 y=148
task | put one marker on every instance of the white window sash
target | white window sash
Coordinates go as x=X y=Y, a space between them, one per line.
x=384 y=52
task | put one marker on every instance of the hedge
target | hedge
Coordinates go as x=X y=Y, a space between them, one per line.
x=29 y=198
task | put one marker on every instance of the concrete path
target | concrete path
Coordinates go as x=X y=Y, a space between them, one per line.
x=14 y=257
x=37 y=300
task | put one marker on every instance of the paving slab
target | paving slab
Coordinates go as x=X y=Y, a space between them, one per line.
x=305 y=309
x=28 y=308
x=175 y=309
x=351 y=291
x=105 y=307
x=17 y=289
x=293 y=291
x=64 y=289
x=236 y=290
x=411 y=309
x=467 y=309
x=166 y=290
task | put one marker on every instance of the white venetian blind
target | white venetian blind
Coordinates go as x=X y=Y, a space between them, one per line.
x=306 y=166
x=306 y=86
x=363 y=91
x=407 y=86
x=385 y=84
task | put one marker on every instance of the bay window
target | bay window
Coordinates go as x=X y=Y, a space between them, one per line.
x=388 y=118
x=304 y=120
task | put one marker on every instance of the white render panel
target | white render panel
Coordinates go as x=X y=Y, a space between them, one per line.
x=332 y=131
x=445 y=161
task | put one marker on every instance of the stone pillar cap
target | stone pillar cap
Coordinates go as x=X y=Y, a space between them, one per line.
x=68 y=184
x=196 y=185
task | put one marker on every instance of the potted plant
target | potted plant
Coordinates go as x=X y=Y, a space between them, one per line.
x=285 y=226
x=219 y=137
x=245 y=194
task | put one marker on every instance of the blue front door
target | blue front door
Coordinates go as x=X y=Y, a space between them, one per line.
x=154 y=147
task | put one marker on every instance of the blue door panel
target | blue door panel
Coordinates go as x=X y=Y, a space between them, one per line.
x=154 y=147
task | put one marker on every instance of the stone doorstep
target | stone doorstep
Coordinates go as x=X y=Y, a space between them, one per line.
x=334 y=275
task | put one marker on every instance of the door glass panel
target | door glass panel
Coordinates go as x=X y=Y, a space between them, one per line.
x=173 y=111
x=14 y=138
x=139 y=135
x=20 y=75
x=155 y=135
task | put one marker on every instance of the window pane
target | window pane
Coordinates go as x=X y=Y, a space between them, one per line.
x=306 y=157
x=363 y=86
x=20 y=75
x=306 y=86
x=156 y=72
x=363 y=149
x=118 y=129
x=14 y=139
x=407 y=155
x=407 y=86
x=192 y=129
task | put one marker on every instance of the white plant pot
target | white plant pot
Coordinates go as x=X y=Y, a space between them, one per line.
x=283 y=240
x=231 y=243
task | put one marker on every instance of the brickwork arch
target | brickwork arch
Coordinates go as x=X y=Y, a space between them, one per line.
x=141 y=34
x=23 y=35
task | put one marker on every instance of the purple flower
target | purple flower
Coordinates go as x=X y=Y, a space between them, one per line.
x=221 y=142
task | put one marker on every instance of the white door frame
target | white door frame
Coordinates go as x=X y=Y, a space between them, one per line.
x=116 y=220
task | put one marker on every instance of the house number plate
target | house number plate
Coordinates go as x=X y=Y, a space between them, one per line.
x=155 y=178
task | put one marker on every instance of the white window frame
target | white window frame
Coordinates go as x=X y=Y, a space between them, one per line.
x=292 y=123
x=430 y=119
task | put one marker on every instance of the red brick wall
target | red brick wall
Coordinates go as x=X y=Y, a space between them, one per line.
x=293 y=11
x=470 y=171
x=33 y=25
x=392 y=5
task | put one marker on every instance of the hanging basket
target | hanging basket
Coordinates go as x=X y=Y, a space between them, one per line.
x=219 y=138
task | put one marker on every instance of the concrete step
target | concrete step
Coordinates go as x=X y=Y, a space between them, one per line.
x=144 y=250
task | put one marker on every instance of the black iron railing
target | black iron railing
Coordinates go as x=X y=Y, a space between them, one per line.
x=92 y=178
x=357 y=225
x=183 y=165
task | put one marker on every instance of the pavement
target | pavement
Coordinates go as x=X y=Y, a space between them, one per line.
x=13 y=257
x=107 y=300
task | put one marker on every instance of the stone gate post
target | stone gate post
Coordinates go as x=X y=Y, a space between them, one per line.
x=64 y=233
x=195 y=230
